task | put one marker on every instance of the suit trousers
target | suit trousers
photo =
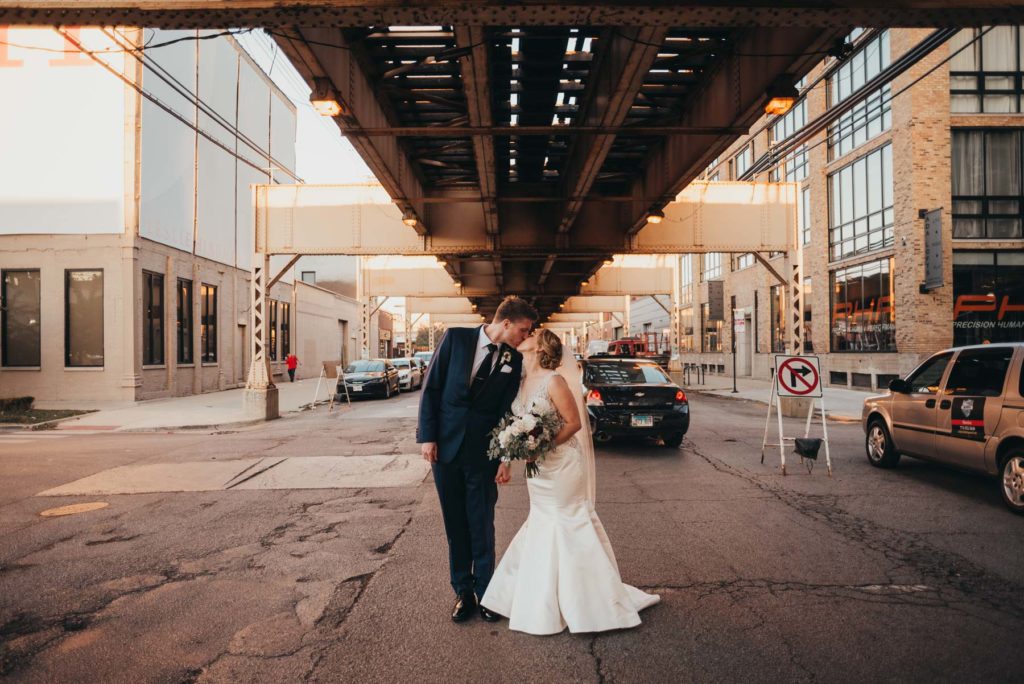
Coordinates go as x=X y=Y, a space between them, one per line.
x=468 y=494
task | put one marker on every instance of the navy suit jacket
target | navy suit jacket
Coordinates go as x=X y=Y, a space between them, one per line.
x=450 y=414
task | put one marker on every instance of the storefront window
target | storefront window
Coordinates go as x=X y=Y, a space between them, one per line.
x=153 y=319
x=988 y=297
x=83 y=318
x=778 y=318
x=863 y=313
x=987 y=184
x=20 y=323
x=712 y=337
x=686 y=330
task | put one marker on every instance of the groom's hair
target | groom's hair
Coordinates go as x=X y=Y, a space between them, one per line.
x=515 y=309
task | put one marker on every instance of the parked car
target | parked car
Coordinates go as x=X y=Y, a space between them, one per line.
x=423 y=368
x=647 y=345
x=425 y=357
x=369 y=377
x=963 y=407
x=634 y=397
x=410 y=376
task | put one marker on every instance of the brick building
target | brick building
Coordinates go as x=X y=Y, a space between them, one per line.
x=947 y=134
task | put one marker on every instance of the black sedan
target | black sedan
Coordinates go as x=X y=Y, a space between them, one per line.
x=368 y=377
x=634 y=397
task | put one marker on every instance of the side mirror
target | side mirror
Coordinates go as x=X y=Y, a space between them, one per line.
x=899 y=386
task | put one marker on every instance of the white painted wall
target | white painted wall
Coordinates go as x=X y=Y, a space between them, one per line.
x=62 y=136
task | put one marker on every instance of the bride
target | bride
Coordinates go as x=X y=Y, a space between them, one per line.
x=560 y=570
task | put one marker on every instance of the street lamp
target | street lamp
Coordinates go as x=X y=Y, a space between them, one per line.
x=782 y=95
x=409 y=218
x=655 y=215
x=324 y=98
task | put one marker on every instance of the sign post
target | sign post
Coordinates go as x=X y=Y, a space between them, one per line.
x=798 y=377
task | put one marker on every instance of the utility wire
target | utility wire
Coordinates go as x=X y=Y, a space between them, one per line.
x=146 y=46
x=71 y=39
x=183 y=90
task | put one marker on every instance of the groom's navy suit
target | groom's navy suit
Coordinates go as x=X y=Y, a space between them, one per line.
x=458 y=414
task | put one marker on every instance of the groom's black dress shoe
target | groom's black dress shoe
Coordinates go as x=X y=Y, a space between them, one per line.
x=488 y=615
x=464 y=607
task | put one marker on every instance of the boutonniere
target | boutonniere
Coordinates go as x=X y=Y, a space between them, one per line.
x=506 y=357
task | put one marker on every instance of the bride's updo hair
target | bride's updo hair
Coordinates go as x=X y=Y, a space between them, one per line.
x=549 y=349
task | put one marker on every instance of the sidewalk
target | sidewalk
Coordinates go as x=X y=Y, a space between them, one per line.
x=214 y=409
x=841 y=404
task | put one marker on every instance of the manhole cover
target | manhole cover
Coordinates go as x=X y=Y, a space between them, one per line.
x=74 y=508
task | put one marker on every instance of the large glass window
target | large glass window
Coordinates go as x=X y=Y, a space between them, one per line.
x=870 y=116
x=861 y=205
x=20 y=306
x=208 y=323
x=286 y=329
x=686 y=329
x=743 y=160
x=805 y=215
x=988 y=297
x=987 y=184
x=742 y=261
x=83 y=318
x=778 y=318
x=152 y=319
x=863 y=313
x=711 y=266
x=185 y=321
x=686 y=279
x=712 y=331
x=985 y=76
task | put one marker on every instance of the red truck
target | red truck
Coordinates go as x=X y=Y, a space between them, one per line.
x=647 y=345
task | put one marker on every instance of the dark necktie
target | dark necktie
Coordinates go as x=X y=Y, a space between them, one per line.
x=485 y=367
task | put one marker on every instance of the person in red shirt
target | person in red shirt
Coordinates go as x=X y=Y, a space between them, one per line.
x=293 y=361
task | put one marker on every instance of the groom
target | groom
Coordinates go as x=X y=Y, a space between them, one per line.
x=473 y=378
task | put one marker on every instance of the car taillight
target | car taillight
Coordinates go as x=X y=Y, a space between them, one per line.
x=680 y=396
x=594 y=398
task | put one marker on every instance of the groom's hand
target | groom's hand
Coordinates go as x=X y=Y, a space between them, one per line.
x=429 y=451
x=504 y=475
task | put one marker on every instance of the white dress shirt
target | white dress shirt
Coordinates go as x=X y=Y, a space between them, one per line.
x=481 y=351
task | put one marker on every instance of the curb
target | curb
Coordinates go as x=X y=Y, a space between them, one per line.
x=45 y=425
x=832 y=418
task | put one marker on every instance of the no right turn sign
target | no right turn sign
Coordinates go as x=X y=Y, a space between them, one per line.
x=797 y=376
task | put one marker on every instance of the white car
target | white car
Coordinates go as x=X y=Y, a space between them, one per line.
x=410 y=376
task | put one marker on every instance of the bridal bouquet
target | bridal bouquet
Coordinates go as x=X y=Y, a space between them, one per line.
x=530 y=436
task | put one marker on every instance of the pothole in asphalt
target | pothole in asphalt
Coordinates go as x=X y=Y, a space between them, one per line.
x=74 y=509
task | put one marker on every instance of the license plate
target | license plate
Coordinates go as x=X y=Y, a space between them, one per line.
x=356 y=388
x=642 y=421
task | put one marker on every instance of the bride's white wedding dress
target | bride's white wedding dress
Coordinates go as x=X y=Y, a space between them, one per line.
x=560 y=570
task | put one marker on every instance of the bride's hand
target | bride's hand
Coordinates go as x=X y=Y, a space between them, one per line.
x=504 y=475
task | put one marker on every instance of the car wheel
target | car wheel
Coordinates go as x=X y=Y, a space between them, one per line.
x=673 y=441
x=1012 y=480
x=387 y=390
x=878 y=444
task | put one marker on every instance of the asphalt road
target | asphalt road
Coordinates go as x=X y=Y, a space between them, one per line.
x=914 y=574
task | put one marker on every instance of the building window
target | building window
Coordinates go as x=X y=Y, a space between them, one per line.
x=863 y=310
x=686 y=329
x=986 y=76
x=988 y=297
x=861 y=199
x=777 y=299
x=208 y=323
x=286 y=329
x=309 y=277
x=185 y=336
x=870 y=116
x=743 y=160
x=793 y=168
x=805 y=215
x=715 y=177
x=712 y=330
x=808 y=328
x=152 y=319
x=272 y=329
x=742 y=261
x=987 y=185
x=686 y=279
x=711 y=266
x=20 y=304
x=83 y=318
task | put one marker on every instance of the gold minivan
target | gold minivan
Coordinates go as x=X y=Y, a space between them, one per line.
x=963 y=407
